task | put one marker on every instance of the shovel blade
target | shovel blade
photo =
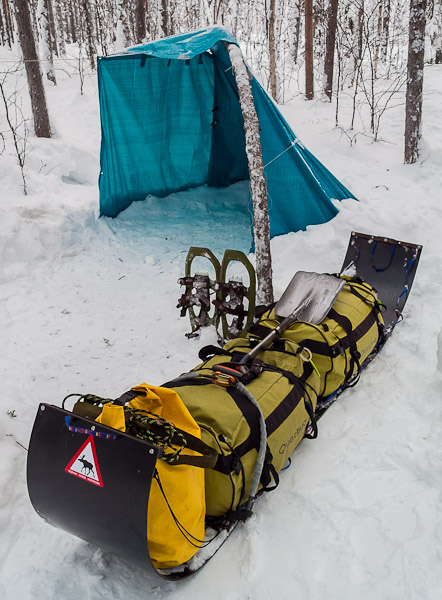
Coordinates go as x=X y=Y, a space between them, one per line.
x=316 y=291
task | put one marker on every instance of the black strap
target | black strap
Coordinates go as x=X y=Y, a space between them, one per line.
x=209 y=351
x=313 y=426
x=275 y=477
x=261 y=331
x=251 y=414
x=126 y=397
x=268 y=473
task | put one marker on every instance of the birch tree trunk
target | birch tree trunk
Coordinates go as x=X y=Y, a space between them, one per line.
x=361 y=16
x=297 y=31
x=330 y=41
x=45 y=44
x=124 y=37
x=436 y=33
x=72 y=17
x=378 y=38
x=35 y=83
x=60 y=27
x=9 y=30
x=90 y=37
x=385 y=29
x=52 y=28
x=272 y=51
x=309 y=89
x=415 y=80
x=258 y=188
x=3 y=33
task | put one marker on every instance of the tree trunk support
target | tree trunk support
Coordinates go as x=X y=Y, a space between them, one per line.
x=258 y=188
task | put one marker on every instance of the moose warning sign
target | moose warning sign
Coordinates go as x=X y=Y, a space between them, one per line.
x=84 y=463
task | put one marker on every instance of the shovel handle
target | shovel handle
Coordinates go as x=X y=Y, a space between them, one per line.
x=275 y=333
x=236 y=373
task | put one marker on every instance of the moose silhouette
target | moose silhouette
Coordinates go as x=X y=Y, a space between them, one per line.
x=87 y=466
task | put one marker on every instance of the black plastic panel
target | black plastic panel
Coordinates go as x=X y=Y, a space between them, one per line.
x=108 y=508
x=386 y=264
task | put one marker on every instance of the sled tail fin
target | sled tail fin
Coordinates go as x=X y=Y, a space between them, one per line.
x=386 y=264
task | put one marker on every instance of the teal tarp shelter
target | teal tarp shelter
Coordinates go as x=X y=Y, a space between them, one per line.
x=171 y=120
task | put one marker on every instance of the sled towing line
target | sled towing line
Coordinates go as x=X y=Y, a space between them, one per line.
x=162 y=475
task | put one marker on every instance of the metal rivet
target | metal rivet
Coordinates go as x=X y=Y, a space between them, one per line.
x=93 y=428
x=151 y=451
x=43 y=407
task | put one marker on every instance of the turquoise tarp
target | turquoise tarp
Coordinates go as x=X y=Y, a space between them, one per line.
x=171 y=120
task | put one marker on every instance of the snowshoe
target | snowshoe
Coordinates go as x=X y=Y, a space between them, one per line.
x=236 y=304
x=198 y=289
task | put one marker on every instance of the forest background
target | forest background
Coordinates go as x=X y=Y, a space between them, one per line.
x=364 y=52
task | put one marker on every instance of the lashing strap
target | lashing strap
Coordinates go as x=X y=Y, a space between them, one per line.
x=152 y=429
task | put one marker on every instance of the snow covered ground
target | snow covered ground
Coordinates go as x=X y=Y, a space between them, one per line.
x=89 y=305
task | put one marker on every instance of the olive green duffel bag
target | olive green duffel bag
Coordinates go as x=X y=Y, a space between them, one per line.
x=342 y=341
x=285 y=380
x=285 y=387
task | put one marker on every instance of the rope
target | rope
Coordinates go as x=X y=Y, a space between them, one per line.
x=137 y=417
x=281 y=153
x=147 y=418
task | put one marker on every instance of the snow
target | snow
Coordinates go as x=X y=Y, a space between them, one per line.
x=89 y=305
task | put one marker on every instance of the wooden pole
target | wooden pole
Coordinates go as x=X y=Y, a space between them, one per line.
x=258 y=188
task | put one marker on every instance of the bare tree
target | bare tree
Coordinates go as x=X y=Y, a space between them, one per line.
x=89 y=36
x=309 y=89
x=35 y=83
x=330 y=47
x=386 y=8
x=140 y=21
x=59 y=26
x=297 y=29
x=73 y=20
x=272 y=50
x=16 y=122
x=435 y=31
x=45 y=36
x=52 y=27
x=124 y=36
x=165 y=17
x=7 y=27
x=415 y=81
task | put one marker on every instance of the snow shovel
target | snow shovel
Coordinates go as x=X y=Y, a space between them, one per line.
x=308 y=298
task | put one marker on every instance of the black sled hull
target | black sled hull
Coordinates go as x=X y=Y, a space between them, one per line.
x=108 y=509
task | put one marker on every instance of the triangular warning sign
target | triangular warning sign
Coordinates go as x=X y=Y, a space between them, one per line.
x=84 y=464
